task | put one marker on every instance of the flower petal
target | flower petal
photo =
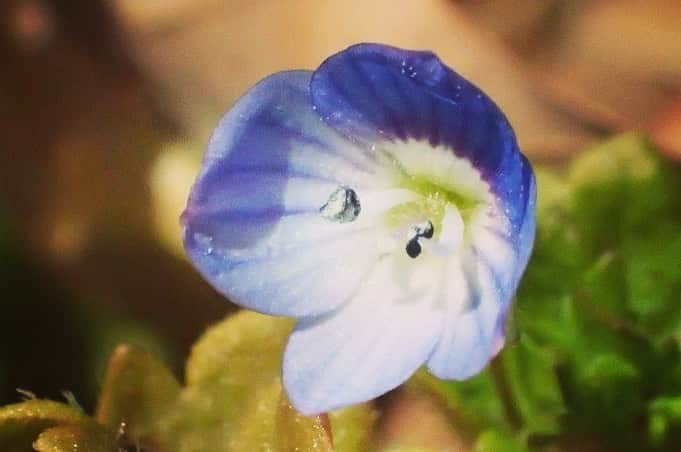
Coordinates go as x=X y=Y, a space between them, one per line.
x=254 y=209
x=484 y=285
x=371 y=90
x=371 y=345
x=470 y=334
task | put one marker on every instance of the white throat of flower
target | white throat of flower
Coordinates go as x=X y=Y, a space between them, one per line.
x=434 y=198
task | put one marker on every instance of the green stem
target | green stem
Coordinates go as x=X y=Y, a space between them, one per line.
x=504 y=393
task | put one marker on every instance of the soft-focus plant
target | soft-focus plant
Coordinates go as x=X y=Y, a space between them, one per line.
x=232 y=401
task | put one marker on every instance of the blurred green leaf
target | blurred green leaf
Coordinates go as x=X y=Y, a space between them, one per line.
x=409 y=449
x=627 y=208
x=243 y=349
x=76 y=438
x=664 y=412
x=653 y=279
x=270 y=423
x=234 y=401
x=293 y=431
x=600 y=296
x=230 y=367
x=475 y=401
x=351 y=428
x=21 y=423
x=544 y=307
x=137 y=391
x=256 y=426
x=530 y=375
x=498 y=441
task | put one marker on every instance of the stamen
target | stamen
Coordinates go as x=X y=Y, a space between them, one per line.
x=413 y=248
x=423 y=230
x=342 y=207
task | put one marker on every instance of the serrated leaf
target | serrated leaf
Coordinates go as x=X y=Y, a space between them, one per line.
x=76 y=438
x=137 y=391
x=21 y=423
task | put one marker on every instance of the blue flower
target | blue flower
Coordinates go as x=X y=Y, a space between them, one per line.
x=382 y=201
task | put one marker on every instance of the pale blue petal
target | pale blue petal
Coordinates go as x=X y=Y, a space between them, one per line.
x=252 y=225
x=370 y=346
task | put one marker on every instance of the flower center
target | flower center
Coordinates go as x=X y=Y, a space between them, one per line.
x=433 y=198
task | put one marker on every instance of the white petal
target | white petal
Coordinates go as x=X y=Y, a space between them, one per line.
x=304 y=264
x=471 y=335
x=372 y=344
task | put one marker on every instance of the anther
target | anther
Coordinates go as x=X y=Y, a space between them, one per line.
x=413 y=248
x=423 y=230
x=342 y=207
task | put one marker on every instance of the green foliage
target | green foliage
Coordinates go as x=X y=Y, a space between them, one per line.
x=232 y=393
x=598 y=313
x=48 y=423
x=498 y=441
x=75 y=438
x=233 y=401
x=137 y=391
x=533 y=385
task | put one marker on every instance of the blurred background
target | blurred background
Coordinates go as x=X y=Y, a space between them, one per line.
x=105 y=107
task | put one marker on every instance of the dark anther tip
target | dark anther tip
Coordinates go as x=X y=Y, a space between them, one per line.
x=413 y=248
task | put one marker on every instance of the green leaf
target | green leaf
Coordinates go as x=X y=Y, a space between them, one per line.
x=475 y=401
x=233 y=365
x=653 y=279
x=243 y=349
x=544 y=308
x=530 y=375
x=293 y=431
x=498 y=441
x=601 y=291
x=21 y=423
x=663 y=413
x=76 y=438
x=351 y=428
x=137 y=391
x=234 y=401
x=611 y=184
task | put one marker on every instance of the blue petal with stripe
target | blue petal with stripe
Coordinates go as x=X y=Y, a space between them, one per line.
x=371 y=92
x=252 y=225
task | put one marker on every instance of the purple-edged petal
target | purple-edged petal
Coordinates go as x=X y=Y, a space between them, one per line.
x=372 y=92
x=371 y=345
x=252 y=223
